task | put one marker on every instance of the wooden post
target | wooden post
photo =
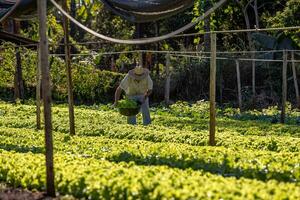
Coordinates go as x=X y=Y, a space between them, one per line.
x=238 y=75
x=168 y=80
x=122 y=69
x=16 y=86
x=212 y=93
x=113 y=67
x=44 y=63
x=69 y=71
x=38 y=91
x=141 y=60
x=156 y=63
x=295 y=80
x=253 y=81
x=284 y=86
x=19 y=85
x=221 y=86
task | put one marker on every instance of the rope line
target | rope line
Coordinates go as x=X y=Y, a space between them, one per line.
x=242 y=31
x=240 y=59
x=154 y=51
x=188 y=56
x=144 y=40
x=180 y=52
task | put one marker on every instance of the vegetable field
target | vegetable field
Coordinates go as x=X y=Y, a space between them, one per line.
x=255 y=158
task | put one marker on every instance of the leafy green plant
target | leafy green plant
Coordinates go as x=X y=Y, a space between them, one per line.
x=127 y=103
x=109 y=159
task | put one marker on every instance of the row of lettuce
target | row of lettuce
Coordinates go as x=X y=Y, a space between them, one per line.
x=109 y=159
x=234 y=162
x=92 y=178
x=166 y=127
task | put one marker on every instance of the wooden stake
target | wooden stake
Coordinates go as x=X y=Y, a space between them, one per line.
x=212 y=93
x=157 y=49
x=221 y=86
x=284 y=87
x=18 y=82
x=253 y=81
x=141 y=61
x=69 y=71
x=38 y=91
x=44 y=63
x=295 y=80
x=238 y=75
x=168 y=80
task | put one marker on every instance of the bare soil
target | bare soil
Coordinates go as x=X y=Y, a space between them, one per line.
x=7 y=193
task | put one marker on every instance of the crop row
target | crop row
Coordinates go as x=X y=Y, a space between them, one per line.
x=183 y=118
x=109 y=124
x=261 y=165
x=100 y=179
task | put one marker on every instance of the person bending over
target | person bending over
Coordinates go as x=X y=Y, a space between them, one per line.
x=137 y=85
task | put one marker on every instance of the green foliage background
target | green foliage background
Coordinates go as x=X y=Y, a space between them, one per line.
x=93 y=82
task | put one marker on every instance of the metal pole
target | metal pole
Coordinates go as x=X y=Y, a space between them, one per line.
x=69 y=71
x=212 y=94
x=284 y=87
x=44 y=54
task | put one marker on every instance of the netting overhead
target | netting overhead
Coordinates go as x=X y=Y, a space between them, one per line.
x=147 y=10
x=21 y=9
x=132 y=10
x=17 y=8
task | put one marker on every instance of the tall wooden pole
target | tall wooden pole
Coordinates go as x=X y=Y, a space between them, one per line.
x=157 y=48
x=295 y=80
x=140 y=59
x=18 y=80
x=69 y=71
x=19 y=84
x=212 y=93
x=168 y=80
x=221 y=86
x=253 y=81
x=44 y=54
x=284 y=86
x=238 y=75
x=38 y=90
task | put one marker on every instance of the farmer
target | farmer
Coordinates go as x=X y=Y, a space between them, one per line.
x=137 y=85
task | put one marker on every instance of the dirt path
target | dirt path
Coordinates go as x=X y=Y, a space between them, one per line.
x=7 y=193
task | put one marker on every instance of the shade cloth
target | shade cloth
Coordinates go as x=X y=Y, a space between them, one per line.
x=147 y=10
x=133 y=10
x=22 y=9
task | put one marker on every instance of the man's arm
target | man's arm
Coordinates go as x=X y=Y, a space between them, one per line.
x=117 y=95
x=150 y=88
x=123 y=86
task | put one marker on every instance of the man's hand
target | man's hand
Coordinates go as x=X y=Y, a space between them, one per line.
x=146 y=95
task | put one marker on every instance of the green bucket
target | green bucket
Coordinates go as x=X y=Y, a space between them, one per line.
x=129 y=111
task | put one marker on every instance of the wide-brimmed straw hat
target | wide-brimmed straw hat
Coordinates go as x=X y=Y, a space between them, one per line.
x=139 y=73
x=138 y=70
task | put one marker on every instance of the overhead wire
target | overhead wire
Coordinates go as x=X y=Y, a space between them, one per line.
x=179 y=54
x=240 y=59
